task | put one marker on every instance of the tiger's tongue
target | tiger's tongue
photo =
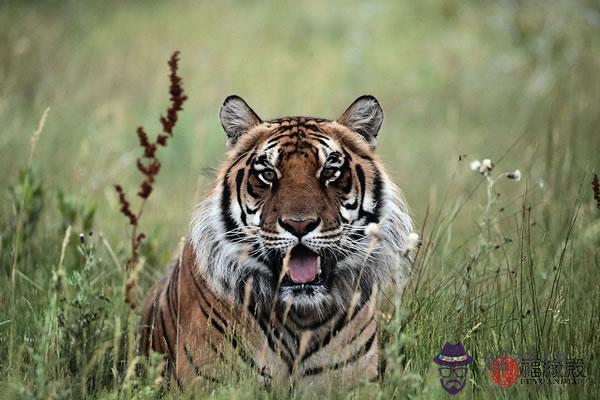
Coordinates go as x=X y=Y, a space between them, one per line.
x=303 y=267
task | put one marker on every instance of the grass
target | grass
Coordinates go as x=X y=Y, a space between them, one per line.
x=515 y=82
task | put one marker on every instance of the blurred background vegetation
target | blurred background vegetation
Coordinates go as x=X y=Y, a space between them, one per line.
x=514 y=81
x=453 y=78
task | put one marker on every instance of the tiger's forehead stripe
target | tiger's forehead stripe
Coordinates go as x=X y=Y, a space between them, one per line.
x=298 y=134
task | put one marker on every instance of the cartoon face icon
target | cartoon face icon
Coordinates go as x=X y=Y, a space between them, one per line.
x=453 y=379
x=453 y=361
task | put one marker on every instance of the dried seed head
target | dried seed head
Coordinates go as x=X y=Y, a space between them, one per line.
x=356 y=297
x=596 y=189
x=285 y=264
x=387 y=317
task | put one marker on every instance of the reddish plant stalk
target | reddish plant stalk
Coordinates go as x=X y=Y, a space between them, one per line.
x=149 y=166
x=596 y=189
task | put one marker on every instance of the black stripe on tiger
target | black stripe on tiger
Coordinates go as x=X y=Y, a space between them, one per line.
x=238 y=185
x=230 y=224
x=362 y=213
x=165 y=337
x=316 y=345
x=357 y=355
x=286 y=357
x=221 y=324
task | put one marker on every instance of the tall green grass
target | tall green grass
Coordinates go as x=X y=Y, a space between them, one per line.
x=515 y=82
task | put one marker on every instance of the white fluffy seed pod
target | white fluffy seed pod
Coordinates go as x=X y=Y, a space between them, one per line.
x=372 y=230
x=475 y=165
x=486 y=165
x=515 y=175
x=413 y=241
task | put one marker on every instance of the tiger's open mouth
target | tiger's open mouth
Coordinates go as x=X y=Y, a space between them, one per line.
x=303 y=268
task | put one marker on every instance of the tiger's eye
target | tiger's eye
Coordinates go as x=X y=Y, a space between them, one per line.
x=328 y=172
x=268 y=175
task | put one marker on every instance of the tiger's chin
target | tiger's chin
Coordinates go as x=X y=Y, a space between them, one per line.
x=305 y=298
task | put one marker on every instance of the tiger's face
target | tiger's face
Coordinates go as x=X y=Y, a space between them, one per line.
x=291 y=207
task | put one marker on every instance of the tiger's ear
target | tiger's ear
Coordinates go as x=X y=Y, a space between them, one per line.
x=364 y=116
x=237 y=118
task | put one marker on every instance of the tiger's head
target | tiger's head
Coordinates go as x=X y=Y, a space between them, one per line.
x=302 y=214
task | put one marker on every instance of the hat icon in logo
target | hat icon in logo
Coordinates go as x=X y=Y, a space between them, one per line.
x=453 y=361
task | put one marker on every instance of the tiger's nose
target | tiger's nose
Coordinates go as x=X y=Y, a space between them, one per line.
x=299 y=226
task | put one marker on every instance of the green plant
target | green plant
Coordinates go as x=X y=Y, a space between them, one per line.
x=75 y=211
x=28 y=198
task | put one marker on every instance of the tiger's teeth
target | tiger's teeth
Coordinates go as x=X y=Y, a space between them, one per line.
x=318 y=265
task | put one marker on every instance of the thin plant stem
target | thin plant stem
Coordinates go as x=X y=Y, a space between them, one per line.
x=18 y=240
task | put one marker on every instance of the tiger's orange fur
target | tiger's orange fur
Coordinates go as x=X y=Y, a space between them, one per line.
x=279 y=275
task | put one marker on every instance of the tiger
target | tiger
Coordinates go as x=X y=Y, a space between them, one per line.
x=281 y=271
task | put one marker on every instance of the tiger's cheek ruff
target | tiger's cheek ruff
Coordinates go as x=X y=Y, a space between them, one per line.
x=223 y=245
